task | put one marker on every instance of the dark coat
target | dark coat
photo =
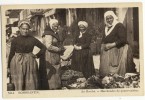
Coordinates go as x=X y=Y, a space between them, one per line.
x=82 y=60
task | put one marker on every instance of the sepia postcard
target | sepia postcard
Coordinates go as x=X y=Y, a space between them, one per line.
x=72 y=50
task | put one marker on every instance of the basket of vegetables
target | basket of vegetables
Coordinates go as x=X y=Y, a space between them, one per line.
x=70 y=76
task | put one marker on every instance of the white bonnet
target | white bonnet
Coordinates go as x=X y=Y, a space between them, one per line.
x=110 y=13
x=52 y=21
x=84 y=23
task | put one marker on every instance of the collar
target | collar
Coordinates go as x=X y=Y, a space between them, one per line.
x=110 y=30
x=81 y=34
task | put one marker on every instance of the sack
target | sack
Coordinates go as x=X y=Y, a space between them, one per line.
x=10 y=85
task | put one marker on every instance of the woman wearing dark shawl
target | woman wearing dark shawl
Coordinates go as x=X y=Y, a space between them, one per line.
x=82 y=59
x=116 y=54
x=50 y=62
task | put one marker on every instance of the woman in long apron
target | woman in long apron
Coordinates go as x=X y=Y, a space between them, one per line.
x=50 y=63
x=22 y=64
x=116 y=54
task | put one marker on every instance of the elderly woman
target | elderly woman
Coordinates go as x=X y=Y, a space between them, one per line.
x=50 y=64
x=82 y=59
x=116 y=55
x=22 y=64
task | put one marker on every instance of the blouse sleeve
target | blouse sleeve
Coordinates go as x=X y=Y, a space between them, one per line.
x=87 y=43
x=122 y=36
x=41 y=46
x=49 y=46
x=12 y=52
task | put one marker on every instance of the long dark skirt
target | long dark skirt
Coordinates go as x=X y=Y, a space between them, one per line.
x=49 y=72
x=82 y=60
x=43 y=78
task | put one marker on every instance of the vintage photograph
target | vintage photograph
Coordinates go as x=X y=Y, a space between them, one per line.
x=72 y=48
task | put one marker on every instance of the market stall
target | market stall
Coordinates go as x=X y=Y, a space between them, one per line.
x=75 y=80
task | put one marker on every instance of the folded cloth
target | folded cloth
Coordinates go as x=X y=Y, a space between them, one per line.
x=68 y=52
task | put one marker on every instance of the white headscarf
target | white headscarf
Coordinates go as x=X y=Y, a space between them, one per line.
x=52 y=21
x=84 y=23
x=115 y=21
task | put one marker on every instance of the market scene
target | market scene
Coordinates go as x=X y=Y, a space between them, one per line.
x=72 y=48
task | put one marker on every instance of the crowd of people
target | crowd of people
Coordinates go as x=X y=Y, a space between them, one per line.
x=115 y=57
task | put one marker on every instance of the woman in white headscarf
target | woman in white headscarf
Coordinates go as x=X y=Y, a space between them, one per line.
x=50 y=62
x=116 y=55
x=82 y=59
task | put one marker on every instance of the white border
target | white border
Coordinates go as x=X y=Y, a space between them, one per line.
x=62 y=1
x=6 y=2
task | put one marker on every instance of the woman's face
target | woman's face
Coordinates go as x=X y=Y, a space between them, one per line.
x=24 y=29
x=55 y=27
x=109 y=19
x=82 y=28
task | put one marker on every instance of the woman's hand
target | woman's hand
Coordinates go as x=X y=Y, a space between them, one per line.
x=109 y=46
x=61 y=50
x=77 y=47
